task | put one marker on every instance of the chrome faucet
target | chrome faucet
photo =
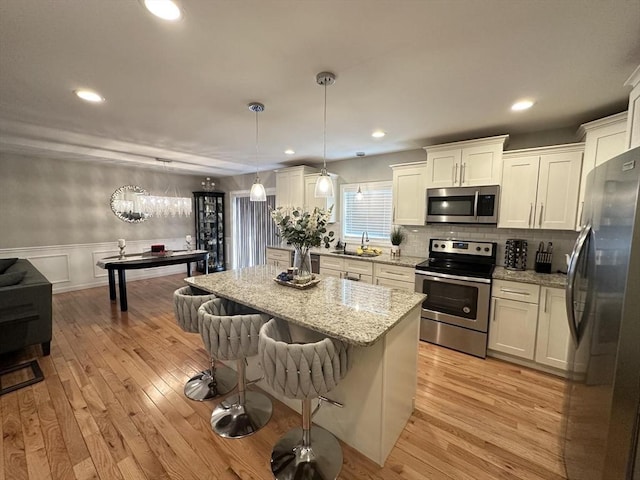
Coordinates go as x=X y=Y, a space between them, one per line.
x=365 y=238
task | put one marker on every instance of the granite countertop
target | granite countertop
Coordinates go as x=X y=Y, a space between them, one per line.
x=402 y=261
x=554 y=280
x=355 y=312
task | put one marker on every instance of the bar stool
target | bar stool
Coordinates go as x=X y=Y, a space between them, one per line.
x=230 y=332
x=209 y=383
x=303 y=371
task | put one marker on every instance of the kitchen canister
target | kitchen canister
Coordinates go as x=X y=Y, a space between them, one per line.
x=515 y=254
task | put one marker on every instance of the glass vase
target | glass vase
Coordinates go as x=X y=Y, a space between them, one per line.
x=302 y=261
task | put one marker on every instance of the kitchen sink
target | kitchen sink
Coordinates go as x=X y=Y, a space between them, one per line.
x=354 y=254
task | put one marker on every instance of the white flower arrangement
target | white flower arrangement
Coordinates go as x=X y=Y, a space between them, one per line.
x=301 y=228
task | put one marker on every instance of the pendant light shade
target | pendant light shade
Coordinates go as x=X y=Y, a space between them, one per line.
x=324 y=185
x=258 y=193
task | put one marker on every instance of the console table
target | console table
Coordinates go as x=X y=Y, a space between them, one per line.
x=137 y=261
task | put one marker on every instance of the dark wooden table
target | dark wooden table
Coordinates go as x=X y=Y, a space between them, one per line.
x=137 y=261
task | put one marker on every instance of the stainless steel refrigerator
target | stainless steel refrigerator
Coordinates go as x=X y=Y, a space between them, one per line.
x=603 y=308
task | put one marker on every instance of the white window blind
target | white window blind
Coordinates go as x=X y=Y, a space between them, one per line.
x=372 y=213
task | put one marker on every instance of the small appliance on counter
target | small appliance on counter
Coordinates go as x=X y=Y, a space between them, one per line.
x=515 y=254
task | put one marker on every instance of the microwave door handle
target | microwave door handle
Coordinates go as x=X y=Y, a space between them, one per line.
x=475 y=206
x=571 y=280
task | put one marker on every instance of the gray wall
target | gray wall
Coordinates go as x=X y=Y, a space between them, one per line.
x=56 y=202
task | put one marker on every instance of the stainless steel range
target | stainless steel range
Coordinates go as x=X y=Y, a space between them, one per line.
x=457 y=281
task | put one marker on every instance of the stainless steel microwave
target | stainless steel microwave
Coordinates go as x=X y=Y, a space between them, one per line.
x=475 y=205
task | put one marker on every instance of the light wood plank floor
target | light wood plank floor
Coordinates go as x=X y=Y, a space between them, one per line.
x=112 y=407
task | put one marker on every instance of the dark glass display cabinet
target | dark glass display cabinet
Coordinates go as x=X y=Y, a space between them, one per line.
x=210 y=229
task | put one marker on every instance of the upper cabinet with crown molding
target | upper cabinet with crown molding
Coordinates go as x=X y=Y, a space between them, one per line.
x=633 y=120
x=540 y=187
x=603 y=139
x=290 y=186
x=465 y=164
x=409 y=191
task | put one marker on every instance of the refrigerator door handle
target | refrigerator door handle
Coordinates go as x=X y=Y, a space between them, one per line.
x=578 y=251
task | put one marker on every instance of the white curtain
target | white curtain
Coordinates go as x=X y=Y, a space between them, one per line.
x=253 y=231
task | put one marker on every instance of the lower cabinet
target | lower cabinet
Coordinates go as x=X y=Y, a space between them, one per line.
x=529 y=322
x=281 y=259
x=394 y=276
x=357 y=270
x=512 y=327
x=552 y=345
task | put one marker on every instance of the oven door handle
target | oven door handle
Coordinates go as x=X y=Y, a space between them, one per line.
x=437 y=276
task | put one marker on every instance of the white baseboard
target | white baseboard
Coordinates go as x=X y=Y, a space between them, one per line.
x=73 y=267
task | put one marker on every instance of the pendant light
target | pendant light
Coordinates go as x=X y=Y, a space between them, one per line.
x=324 y=185
x=258 y=194
x=359 y=194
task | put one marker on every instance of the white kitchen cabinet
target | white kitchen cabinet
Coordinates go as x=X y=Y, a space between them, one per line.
x=409 y=193
x=553 y=337
x=469 y=163
x=394 y=276
x=603 y=139
x=348 y=268
x=633 y=119
x=311 y=201
x=281 y=259
x=290 y=186
x=514 y=318
x=540 y=187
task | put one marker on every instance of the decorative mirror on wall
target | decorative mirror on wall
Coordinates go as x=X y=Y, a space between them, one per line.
x=127 y=204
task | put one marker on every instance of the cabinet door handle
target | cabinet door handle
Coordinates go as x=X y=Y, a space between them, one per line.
x=517 y=292
x=462 y=170
x=530 y=212
x=493 y=309
x=541 y=210
x=454 y=169
x=455 y=175
x=546 y=295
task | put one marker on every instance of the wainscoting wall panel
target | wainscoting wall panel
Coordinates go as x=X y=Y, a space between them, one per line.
x=73 y=267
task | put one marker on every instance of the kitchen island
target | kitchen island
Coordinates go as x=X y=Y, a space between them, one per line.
x=381 y=323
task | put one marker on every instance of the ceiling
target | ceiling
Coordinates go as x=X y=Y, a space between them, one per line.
x=422 y=71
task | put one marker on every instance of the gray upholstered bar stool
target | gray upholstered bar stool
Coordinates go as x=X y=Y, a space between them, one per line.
x=303 y=371
x=209 y=383
x=230 y=332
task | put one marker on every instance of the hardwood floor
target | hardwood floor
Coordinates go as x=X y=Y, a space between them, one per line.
x=112 y=407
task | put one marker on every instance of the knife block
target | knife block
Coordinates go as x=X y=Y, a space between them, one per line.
x=543 y=262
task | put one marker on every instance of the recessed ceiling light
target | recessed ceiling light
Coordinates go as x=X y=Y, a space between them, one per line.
x=165 y=9
x=522 y=105
x=89 y=95
x=289 y=152
x=378 y=134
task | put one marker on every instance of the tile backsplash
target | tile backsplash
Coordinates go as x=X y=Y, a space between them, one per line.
x=417 y=242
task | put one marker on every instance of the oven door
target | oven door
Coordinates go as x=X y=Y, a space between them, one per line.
x=456 y=300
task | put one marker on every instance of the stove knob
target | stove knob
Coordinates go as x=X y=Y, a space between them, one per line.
x=443 y=246
x=478 y=249
x=466 y=309
x=486 y=249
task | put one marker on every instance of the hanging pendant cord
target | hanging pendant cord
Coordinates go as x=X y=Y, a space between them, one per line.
x=324 y=140
x=256 y=143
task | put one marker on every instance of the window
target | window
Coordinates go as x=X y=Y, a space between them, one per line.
x=372 y=213
x=253 y=230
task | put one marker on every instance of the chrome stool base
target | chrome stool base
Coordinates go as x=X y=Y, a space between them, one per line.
x=204 y=387
x=321 y=461
x=230 y=419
